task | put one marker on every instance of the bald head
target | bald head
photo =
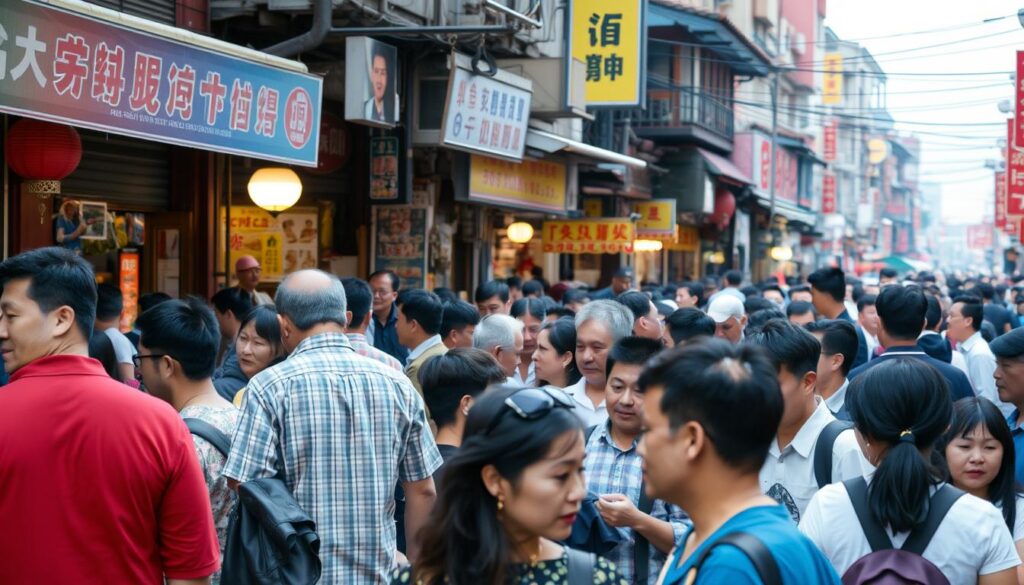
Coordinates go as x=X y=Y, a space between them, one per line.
x=311 y=297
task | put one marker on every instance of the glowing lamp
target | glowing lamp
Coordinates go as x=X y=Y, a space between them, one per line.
x=647 y=246
x=520 y=232
x=716 y=257
x=275 y=189
x=781 y=253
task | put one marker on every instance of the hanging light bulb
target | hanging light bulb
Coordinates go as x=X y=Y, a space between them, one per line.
x=275 y=189
x=781 y=253
x=520 y=232
x=647 y=245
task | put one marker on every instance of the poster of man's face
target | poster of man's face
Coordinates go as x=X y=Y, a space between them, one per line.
x=371 y=76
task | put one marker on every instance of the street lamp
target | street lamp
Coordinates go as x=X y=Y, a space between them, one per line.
x=275 y=189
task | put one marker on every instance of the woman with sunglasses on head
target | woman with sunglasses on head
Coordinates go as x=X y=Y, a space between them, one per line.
x=980 y=456
x=554 y=359
x=510 y=494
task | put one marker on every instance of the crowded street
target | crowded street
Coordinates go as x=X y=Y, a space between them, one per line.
x=511 y=292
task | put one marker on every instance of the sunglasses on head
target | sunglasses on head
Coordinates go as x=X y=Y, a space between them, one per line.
x=532 y=404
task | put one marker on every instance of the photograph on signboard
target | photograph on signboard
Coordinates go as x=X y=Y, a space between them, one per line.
x=94 y=216
x=371 y=82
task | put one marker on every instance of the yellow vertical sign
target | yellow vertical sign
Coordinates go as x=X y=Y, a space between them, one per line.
x=607 y=37
x=832 y=92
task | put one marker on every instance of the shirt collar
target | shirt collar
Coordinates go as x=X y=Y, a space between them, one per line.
x=805 y=438
x=969 y=343
x=605 y=434
x=836 y=402
x=578 y=391
x=903 y=349
x=1012 y=420
x=423 y=347
x=59 y=365
x=322 y=341
x=355 y=338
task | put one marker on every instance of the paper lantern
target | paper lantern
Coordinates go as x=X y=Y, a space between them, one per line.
x=647 y=245
x=520 y=232
x=42 y=153
x=725 y=207
x=275 y=189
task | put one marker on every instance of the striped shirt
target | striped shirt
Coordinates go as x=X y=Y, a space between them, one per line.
x=363 y=348
x=343 y=431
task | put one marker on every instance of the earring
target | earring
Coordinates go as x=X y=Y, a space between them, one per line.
x=501 y=503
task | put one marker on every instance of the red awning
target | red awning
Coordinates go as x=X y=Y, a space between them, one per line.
x=723 y=167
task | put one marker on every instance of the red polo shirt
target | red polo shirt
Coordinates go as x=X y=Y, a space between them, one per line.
x=99 y=483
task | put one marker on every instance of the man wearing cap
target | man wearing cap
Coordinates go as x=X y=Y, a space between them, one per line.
x=1009 y=375
x=248 y=271
x=621 y=282
x=729 y=316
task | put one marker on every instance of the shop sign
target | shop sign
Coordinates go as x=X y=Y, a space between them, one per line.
x=532 y=184
x=128 y=281
x=657 y=219
x=384 y=168
x=687 y=239
x=832 y=92
x=1014 y=174
x=484 y=114
x=979 y=237
x=399 y=242
x=831 y=136
x=371 y=82
x=786 y=169
x=607 y=36
x=588 y=236
x=828 y=193
x=282 y=245
x=68 y=68
x=1018 y=116
x=335 y=145
x=1001 y=219
x=593 y=207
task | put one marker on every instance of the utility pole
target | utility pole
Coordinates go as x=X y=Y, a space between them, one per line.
x=776 y=69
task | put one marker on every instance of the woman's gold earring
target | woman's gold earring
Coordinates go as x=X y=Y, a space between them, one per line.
x=501 y=504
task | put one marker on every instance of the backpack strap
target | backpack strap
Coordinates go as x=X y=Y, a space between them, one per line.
x=589 y=433
x=823 y=448
x=581 y=567
x=641 y=546
x=210 y=433
x=755 y=550
x=938 y=507
x=857 y=489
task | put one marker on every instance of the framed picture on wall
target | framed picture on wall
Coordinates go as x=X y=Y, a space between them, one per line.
x=94 y=216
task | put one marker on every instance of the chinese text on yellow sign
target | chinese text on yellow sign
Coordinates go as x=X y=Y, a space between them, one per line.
x=657 y=219
x=607 y=36
x=589 y=236
x=532 y=184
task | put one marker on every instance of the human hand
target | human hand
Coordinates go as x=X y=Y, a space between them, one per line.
x=618 y=510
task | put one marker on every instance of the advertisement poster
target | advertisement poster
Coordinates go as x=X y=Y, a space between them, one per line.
x=384 y=168
x=399 y=242
x=128 y=282
x=282 y=245
x=94 y=215
x=608 y=36
x=536 y=185
x=371 y=79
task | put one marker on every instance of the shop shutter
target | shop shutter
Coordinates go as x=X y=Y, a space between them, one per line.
x=128 y=174
x=158 y=10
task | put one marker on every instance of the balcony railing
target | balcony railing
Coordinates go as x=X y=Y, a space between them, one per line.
x=679 y=107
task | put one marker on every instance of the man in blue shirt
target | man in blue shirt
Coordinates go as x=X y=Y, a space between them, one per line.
x=901 y=312
x=711 y=411
x=1009 y=375
x=382 y=332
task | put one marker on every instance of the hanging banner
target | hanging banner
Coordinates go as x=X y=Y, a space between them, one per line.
x=1014 y=175
x=828 y=193
x=979 y=237
x=281 y=245
x=657 y=219
x=830 y=138
x=128 y=282
x=588 y=236
x=608 y=37
x=484 y=114
x=68 y=68
x=1001 y=219
x=536 y=185
x=832 y=92
x=1018 y=116
x=399 y=242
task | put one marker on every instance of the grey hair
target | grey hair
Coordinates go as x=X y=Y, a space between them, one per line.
x=496 y=331
x=307 y=308
x=615 y=316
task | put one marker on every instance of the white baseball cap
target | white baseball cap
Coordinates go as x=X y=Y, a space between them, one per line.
x=724 y=307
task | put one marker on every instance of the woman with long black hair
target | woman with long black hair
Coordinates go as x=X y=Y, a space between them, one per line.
x=554 y=359
x=511 y=493
x=531 y=312
x=900 y=408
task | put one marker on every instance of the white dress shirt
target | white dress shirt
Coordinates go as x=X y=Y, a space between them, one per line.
x=981 y=365
x=590 y=415
x=531 y=377
x=837 y=401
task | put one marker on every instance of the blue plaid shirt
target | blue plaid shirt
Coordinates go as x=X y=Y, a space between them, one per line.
x=611 y=470
x=343 y=430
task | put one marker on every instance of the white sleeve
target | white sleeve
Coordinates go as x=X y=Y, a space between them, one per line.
x=123 y=348
x=848 y=460
x=1018 y=521
x=811 y=521
x=1000 y=553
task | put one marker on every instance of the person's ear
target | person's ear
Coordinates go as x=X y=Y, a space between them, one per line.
x=837 y=361
x=286 y=326
x=492 y=480
x=809 y=379
x=64 y=320
x=166 y=366
x=692 y=439
x=465 y=403
x=348 y=317
x=566 y=359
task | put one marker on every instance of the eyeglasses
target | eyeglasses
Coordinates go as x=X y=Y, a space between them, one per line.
x=532 y=404
x=137 y=359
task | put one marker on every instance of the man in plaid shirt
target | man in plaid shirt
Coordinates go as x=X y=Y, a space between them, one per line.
x=342 y=430
x=615 y=470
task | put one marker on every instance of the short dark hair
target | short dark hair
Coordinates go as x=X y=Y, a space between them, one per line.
x=265 y=322
x=755 y=304
x=150 y=300
x=396 y=283
x=788 y=346
x=734 y=277
x=695 y=289
x=902 y=310
x=799 y=308
x=830 y=281
x=101 y=349
x=865 y=301
x=637 y=302
x=632 y=351
x=757 y=319
x=446 y=294
x=57 y=278
x=492 y=288
x=688 y=323
x=185 y=330
x=888 y=273
x=533 y=287
x=446 y=378
x=423 y=307
x=988 y=292
x=513 y=282
x=232 y=299
x=537 y=308
x=360 y=299
x=838 y=337
x=457 y=315
x=971 y=307
x=574 y=295
x=560 y=311
x=730 y=390
x=109 y=302
x=796 y=288
x=934 y=315
x=771 y=286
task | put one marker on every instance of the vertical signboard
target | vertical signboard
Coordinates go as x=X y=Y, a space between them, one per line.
x=128 y=281
x=832 y=93
x=384 y=168
x=1014 y=174
x=830 y=138
x=1001 y=219
x=828 y=193
x=607 y=36
x=399 y=242
x=1018 y=116
x=979 y=237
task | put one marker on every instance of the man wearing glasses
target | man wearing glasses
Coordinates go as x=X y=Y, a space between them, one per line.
x=248 y=272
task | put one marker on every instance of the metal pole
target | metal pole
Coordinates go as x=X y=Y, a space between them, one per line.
x=775 y=115
x=398 y=31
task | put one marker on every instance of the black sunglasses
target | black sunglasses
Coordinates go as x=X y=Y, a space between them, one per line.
x=532 y=404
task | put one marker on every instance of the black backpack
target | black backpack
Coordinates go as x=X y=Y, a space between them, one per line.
x=755 y=550
x=823 y=448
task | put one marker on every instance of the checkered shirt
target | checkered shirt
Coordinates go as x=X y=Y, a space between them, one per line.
x=362 y=346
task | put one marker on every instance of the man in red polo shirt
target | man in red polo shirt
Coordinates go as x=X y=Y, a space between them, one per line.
x=99 y=483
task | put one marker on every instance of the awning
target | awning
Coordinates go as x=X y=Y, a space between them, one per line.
x=723 y=168
x=552 y=143
x=716 y=34
x=800 y=148
x=787 y=209
x=904 y=264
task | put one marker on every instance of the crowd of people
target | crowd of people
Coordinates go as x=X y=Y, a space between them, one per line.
x=702 y=432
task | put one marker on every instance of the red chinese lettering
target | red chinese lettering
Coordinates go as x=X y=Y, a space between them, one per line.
x=495 y=134
x=652 y=213
x=460 y=96
x=566 y=232
x=183 y=85
x=266 y=112
x=241 y=105
x=214 y=91
x=236 y=242
x=619 y=232
x=584 y=231
x=515 y=139
x=485 y=130
x=146 y=84
x=506 y=136
x=602 y=232
x=70 y=65
x=108 y=74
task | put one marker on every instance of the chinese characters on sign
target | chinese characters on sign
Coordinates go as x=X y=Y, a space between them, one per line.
x=487 y=115
x=832 y=93
x=828 y=193
x=830 y=138
x=531 y=184
x=1001 y=219
x=60 y=66
x=399 y=242
x=607 y=37
x=1014 y=175
x=128 y=282
x=282 y=245
x=657 y=219
x=1018 y=116
x=979 y=237
x=786 y=166
x=588 y=236
x=384 y=168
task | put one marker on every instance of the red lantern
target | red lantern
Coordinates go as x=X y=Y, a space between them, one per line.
x=42 y=154
x=725 y=207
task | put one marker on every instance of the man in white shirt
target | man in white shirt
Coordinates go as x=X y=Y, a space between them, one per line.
x=599 y=325
x=788 y=474
x=109 y=305
x=501 y=336
x=838 y=339
x=732 y=280
x=964 y=327
x=867 y=318
x=730 y=318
